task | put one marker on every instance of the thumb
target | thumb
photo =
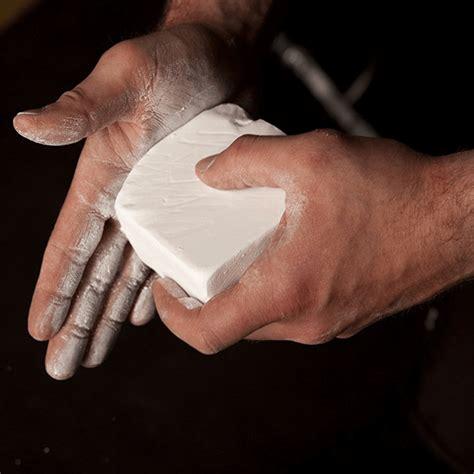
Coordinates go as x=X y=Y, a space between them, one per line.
x=250 y=161
x=95 y=103
x=223 y=320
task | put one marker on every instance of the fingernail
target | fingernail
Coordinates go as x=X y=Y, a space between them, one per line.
x=30 y=112
x=189 y=302
x=203 y=165
x=172 y=287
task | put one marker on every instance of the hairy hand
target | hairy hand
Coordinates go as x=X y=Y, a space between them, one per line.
x=140 y=90
x=368 y=231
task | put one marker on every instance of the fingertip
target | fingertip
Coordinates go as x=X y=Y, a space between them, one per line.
x=217 y=177
x=90 y=363
x=39 y=331
x=207 y=173
x=64 y=355
x=25 y=119
x=94 y=358
x=203 y=165
x=57 y=369
x=47 y=326
x=37 y=335
x=23 y=122
x=138 y=321
x=35 y=330
x=57 y=375
x=51 y=125
x=173 y=304
x=102 y=343
x=142 y=317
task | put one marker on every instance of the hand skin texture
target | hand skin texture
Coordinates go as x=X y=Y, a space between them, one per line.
x=370 y=228
x=140 y=90
x=91 y=281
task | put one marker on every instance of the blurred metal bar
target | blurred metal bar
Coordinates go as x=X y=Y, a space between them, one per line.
x=360 y=85
x=321 y=86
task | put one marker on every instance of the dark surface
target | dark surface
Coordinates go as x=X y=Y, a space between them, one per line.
x=157 y=405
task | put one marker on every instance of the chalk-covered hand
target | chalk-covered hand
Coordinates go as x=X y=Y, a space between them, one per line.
x=370 y=228
x=140 y=90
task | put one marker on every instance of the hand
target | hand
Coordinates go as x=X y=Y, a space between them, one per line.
x=370 y=228
x=140 y=90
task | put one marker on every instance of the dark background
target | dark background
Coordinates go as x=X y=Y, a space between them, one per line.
x=395 y=397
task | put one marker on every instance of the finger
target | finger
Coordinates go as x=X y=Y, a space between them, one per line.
x=117 y=308
x=77 y=232
x=250 y=161
x=226 y=318
x=95 y=103
x=75 y=237
x=144 y=307
x=66 y=349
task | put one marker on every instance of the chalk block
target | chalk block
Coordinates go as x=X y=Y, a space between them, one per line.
x=202 y=238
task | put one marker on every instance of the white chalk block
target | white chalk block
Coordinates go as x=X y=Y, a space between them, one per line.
x=202 y=238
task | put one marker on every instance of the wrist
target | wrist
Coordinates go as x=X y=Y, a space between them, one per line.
x=451 y=179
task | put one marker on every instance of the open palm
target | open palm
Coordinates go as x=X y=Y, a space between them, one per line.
x=91 y=281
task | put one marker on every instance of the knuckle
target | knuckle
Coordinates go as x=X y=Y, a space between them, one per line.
x=79 y=332
x=289 y=290
x=129 y=281
x=80 y=101
x=76 y=95
x=306 y=160
x=327 y=136
x=57 y=297
x=132 y=284
x=314 y=156
x=77 y=255
x=323 y=145
x=122 y=51
x=113 y=324
x=136 y=271
x=127 y=58
x=99 y=284
x=308 y=157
